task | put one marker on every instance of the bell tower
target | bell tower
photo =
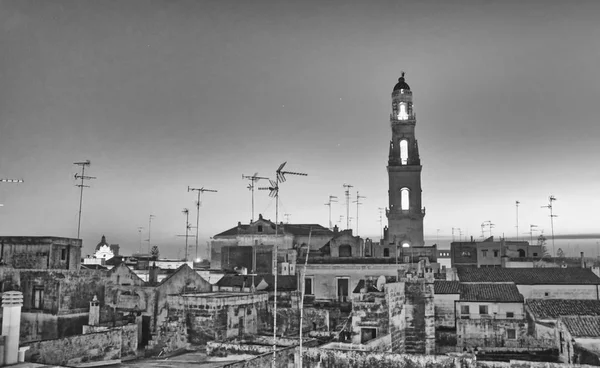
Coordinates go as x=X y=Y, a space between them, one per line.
x=405 y=214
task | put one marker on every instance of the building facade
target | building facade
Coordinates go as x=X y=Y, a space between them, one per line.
x=40 y=252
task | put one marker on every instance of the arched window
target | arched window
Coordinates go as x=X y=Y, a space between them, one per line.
x=405 y=199
x=404 y=151
x=521 y=253
x=345 y=250
x=402 y=111
x=386 y=252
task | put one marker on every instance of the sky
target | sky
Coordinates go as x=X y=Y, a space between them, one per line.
x=162 y=95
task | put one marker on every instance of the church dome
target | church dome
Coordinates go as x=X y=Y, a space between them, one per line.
x=401 y=84
x=102 y=243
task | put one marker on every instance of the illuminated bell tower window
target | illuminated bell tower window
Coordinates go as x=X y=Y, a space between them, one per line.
x=404 y=199
x=402 y=111
x=404 y=151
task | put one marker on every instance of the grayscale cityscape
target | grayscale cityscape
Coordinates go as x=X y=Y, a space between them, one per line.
x=202 y=183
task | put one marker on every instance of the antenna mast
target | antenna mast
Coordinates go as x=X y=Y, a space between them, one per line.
x=517 y=204
x=83 y=177
x=140 y=232
x=358 y=197
x=200 y=191
x=186 y=212
x=274 y=192
x=348 y=186
x=332 y=199
x=253 y=179
x=552 y=215
x=149 y=228
x=10 y=181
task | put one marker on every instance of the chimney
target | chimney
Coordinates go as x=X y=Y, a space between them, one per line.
x=582 y=261
x=503 y=259
x=336 y=229
x=12 y=301
x=471 y=238
x=94 y=316
x=153 y=274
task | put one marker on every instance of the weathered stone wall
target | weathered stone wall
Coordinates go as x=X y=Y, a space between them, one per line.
x=395 y=297
x=420 y=315
x=528 y=364
x=40 y=252
x=444 y=309
x=372 y=312
x=129 y=337
x=288 y=321
x=492 y=333
x=45 y=326
x=170 y=336
x=74 y=350
x=284 y=358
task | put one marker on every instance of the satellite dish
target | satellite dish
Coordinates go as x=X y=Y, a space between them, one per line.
x=380 y=282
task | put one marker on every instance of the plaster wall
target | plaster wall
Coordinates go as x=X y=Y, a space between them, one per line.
x=559 y=291
x=444 y=305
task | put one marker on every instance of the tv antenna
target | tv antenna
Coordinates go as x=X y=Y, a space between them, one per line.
x=140 y=232
x=358 y=203
x=253 y=179
x=188 y=227
x=460 y=232
x=332 y=199
x=517 y=205
x=287 y=217
x=149 y=228
x=10 y=181
x=274 y=192
x=552 y=216
x=200 y=191
x=348 y=186
x=83 y=177
x=381 y=209
x=531 y=230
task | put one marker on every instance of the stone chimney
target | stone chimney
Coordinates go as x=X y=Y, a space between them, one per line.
x=12 y=301
x=94 y=317
x=336 y=230
x=153 y=274
x=582 y=261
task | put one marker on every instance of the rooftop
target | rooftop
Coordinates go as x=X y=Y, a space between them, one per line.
x=530 y=276
x=582 y=326
x=552 y=308
x=490 y=293
x=446 y=287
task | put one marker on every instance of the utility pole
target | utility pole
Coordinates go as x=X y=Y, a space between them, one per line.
x=358 y=197
x=83 y=177
x=200 y=191
x=149 y=228
x=348 y=186
x=332 y=199
x=552 y=216
x=274 y=192
x=253 y=179
x=517 y=204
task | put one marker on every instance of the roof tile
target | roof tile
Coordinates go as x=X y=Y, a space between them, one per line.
x=490 y=293
x=582 y=326
x=553 y=308
x=530 y=276
x=446 y=287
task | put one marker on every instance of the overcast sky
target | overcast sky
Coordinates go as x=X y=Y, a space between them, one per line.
x=162 y=95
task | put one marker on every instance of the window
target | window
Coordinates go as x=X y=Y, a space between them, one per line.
x=345 y=250
x=63 y=254
x=367 y=334
x=535 y=254
x=483 y=309
x=546 y=294
x=260 y=228
x=464 y=309
x=402 y=113
x=521 y=253
x=38 y=297
x=484 y=253
x=510 y=314
x=404 y=152
x=386 y=252
x=308 y=286
x=511 y=334
x=495 y=253
x=404 y=199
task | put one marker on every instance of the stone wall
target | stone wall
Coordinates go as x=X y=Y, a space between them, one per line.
x=288 y=321
x=492 y=334
x=46 y=326
x=528 y=364
x=444 y=310
x=129 y=337
x=74 y=350
x=371 y=312
x=420 y=315
x=395 y=296
x=284 y=358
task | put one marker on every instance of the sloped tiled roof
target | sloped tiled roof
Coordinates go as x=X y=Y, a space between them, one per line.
x=530 y=276
x=295 y=229
x=233 y=230
x=552 y=308
x=446 y=287
x=582 y=326
x=284 y=283
x=238 y=281
x=361 y=284
x=490 y=293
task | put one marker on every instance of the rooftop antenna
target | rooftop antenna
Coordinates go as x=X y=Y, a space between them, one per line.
x=83 y=177
x=358 y=203
x=149 y=228
x=332 y=199
x=341 y=220
x=200 y=191
x=10 y=181
x=287 y=217
x=517 y=204
x=188 y=226
x=381 y=209
x=140 y=232
x=552 y=216
x=274 y=192
x=348 y=186
x=253 y=179
x=454 y=228
x=531 y=230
